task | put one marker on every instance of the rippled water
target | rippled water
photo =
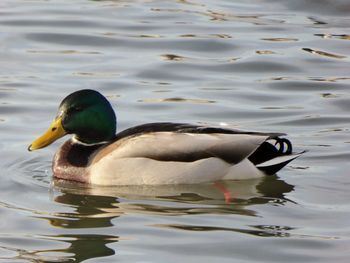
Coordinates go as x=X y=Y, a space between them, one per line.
x=257 y=65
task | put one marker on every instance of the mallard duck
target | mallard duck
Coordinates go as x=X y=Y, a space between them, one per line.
x=154 y=153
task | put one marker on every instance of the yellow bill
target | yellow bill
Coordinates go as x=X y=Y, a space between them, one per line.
x=55 y=132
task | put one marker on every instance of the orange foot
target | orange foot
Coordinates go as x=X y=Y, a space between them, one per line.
x=226 y=192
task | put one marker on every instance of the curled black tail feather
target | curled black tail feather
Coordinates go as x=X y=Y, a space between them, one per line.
x=268 y=151
x=282 y=142
x=271 y=156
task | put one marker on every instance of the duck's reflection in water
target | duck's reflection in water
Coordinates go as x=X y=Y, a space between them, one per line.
x=86 y=214
x=223 y=195
x=91 y=208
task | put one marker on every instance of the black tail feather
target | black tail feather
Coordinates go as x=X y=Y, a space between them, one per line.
x=270 y=158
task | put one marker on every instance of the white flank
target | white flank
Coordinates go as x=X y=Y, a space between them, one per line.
x=244 y=170
x=144 y=171
x=130 y=162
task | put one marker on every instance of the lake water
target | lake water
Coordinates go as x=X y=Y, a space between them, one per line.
x=261 y=65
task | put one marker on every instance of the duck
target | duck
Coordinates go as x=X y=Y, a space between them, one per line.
x=160 y=153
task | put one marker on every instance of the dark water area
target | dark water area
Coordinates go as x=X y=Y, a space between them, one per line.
x=260 y=65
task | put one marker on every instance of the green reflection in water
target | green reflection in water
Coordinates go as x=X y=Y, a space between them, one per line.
x=91 y=208
x=90 y=211
x=81 y=247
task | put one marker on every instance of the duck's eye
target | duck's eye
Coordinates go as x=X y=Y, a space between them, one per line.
x=76 y=109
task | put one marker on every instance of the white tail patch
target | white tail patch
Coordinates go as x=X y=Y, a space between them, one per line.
x=279 y=160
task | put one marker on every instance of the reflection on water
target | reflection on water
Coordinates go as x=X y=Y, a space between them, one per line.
x=267 y=65
x=89 y=211
x=80 y=248
x=89 y=220
x=246 y=192
x=83 y=247
x=345 y=37
x=322 y=53
x=98 y=207
x=260 y=231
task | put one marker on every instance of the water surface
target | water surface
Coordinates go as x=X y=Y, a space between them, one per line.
x=261 y=65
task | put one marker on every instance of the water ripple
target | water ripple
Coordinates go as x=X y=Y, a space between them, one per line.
x=264 y=65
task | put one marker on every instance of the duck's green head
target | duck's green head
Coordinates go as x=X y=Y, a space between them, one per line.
x=85 y=113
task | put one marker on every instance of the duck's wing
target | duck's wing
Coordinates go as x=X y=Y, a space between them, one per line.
x=184 y=146
x=186 y=128
x=186 y=142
